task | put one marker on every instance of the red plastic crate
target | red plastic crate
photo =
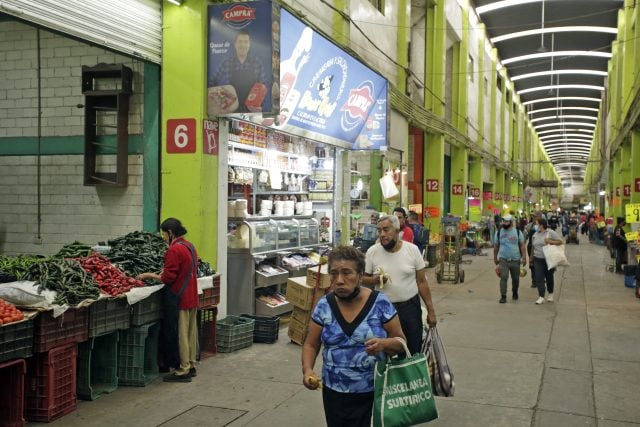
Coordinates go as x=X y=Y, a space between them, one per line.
x=70 y=327
x=210 y=297
x=207 y=331
x=12 y=392
x=50 y=388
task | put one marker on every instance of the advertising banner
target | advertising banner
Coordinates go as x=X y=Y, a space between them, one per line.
x=242 y=58
x=475 y=210
x=326 y=94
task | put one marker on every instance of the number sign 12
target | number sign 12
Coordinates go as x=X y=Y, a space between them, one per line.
x=432 y=185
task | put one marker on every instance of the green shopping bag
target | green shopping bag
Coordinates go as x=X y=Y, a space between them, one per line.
x=402 y=392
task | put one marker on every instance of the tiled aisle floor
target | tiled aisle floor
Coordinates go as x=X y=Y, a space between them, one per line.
x=574 y=362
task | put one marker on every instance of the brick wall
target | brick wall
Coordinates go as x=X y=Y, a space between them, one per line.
x=69 y=210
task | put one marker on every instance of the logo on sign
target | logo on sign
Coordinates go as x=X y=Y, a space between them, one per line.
x=210 y=137
x=323 y=91
x=239 y=16
x=357 y=107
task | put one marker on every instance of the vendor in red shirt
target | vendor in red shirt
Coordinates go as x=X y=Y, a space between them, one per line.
x=406 y=232
x=181 y=296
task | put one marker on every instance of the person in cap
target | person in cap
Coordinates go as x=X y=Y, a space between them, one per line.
x=509 y=252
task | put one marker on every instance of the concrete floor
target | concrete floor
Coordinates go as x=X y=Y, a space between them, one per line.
x=575 y=362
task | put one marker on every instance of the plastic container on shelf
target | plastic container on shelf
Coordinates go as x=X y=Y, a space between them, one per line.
x=147 y=310
x=265 y=329
x=207 y=331
x=50 y=391
x=234 y=333
x=12 y=392
x=16 y=340
x=97 y=366
x=138 y=355
x=107 y=315
x=70 y=327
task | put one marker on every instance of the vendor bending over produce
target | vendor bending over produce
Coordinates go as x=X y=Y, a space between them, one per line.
x=181 y=300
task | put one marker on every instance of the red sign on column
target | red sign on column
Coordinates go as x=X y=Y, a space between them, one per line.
x=626 y=190
x=507 y=197
x=618 y=191
x=487 y=195
x=181 y=136
x=498 y=196
x=210 y=137
x=456 y=189
x=475 y=192
x=432 y=185
x=637 y=185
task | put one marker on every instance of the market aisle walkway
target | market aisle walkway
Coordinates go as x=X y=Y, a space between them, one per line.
x=575 y=362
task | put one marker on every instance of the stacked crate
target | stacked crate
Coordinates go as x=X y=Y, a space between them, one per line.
x=209 y=298
x=304 y=293
x=12 y=392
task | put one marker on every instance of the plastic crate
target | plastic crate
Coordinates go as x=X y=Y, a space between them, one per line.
x=147 y=310
x=265 y=328
x=207 y=331
x=98 y=366
x=210 y=297
x=107 y=315
x=50 y=390
x=50 y=332
x=12 y=392
x=16 y=340
x=138 y=355
x=234 y=333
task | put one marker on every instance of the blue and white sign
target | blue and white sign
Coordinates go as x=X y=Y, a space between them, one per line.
x=326 y=94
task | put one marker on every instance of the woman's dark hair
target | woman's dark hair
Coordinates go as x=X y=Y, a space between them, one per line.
x=542 y=222
x=173 y=225
x=348 y=253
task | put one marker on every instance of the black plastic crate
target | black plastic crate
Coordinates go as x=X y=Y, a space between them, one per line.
x=16 y=340
x=147 y=310
x=107 y=315
x=265 y=328
x=138 y=355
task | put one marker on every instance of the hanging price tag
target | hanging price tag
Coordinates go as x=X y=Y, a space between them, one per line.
x=632 y=211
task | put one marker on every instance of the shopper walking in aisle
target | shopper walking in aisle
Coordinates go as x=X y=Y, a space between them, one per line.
x=620 y=243
x=403 y=272
x=508 y=253
x=356 y=326
x=543 y=274
x=530 y=230
x=181 y=299
x=406 y=232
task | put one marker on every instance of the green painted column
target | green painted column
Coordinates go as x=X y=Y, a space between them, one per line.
x=340 y=25
x=493 y=96
x=616 y=183
x=625 y=175
x=435 y=59
x=635 y=166
x=459 y=173
x=189 y=180
x=475 y=164
x=627 y=55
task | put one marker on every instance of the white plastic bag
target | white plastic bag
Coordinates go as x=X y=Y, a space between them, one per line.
x=554 y=255
x=388 y=187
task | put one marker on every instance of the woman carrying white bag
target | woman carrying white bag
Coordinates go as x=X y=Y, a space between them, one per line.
x=542 y=273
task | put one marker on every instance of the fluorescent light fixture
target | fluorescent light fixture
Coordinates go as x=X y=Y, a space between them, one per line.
x=551 y=87
x=565 y=123
x=569 y=28
x=565 y=137
x=502 y=4
x=602 y=193
x=521 y=58
x=568 y=116
x=588 y=132
x=542 y=110
x=176 y=2
x=559 y=72
x=563 y=98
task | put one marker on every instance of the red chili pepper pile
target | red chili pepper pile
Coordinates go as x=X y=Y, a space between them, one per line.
x=109 y=278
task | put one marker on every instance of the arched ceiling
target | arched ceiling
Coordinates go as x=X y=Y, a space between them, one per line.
x=556 y=53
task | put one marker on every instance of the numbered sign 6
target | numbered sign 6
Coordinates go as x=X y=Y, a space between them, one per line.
x=432 y=185
x=181 y=136
x=456 y=189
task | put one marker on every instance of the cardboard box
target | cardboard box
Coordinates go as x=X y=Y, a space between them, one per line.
x=312 y=276
x=300 y=315
x=302 y=295
x=297 y=331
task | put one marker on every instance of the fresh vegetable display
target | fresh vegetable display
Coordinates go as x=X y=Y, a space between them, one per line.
x=16 y=266
x=64 y=276
x=138 y=252
x=74 y=250
x=9 y=313
x=109 y=278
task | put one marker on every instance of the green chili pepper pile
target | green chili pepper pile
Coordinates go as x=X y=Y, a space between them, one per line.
x=64 y=276
x=17 y=266
x=138 y=252
x=74 y=250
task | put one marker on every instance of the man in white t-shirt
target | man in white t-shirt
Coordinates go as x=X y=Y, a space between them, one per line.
x=404 y=277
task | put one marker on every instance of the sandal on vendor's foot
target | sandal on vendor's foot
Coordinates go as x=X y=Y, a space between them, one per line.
x=193 y=372
x=175 y=378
